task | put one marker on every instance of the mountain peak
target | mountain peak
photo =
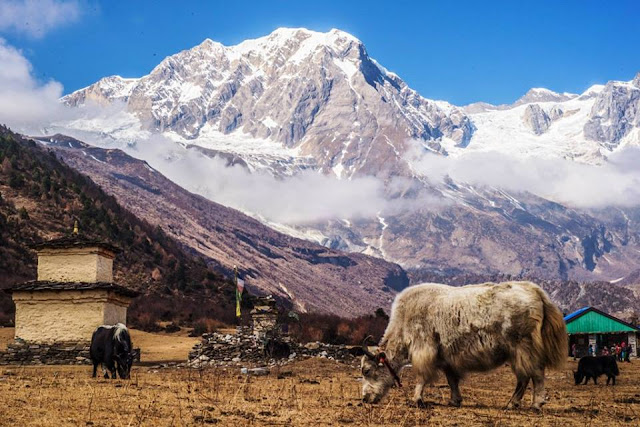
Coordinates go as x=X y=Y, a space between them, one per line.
x=541 y=94
x=310 y=39
x=636 y=80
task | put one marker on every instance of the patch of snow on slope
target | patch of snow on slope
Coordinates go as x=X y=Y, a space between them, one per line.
x=505 y=131
x=189 y=92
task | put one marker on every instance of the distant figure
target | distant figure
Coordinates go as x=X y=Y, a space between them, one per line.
x=618 y=352
x=590 y=350
x=111 y=347
x=623 y=351
x=593 y=367
x=605 y=352
x=573 y=351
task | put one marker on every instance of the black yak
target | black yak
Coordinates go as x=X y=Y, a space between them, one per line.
x=593 y=367
x=111 y=347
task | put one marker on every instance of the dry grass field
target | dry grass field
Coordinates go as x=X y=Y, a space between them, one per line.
x=311 y=392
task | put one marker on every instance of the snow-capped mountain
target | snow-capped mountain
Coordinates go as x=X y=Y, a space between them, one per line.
x=586 y=127
x=311 y=94
x=303 y=100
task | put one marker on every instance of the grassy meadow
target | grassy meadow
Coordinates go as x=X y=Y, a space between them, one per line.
x=309 y=393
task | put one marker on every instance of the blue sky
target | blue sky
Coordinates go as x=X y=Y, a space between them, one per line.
x=457 y=51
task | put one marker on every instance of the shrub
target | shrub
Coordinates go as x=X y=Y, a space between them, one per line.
x=333 y=329
x=205 y=325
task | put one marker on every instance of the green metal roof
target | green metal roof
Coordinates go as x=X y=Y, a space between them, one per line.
x=594 y=321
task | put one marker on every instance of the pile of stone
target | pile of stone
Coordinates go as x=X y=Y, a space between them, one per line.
x=226 y=349
x=24 y=353
x=341 y=353
x=244 y=348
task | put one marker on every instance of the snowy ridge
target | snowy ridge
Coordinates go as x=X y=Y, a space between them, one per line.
x=288 y=90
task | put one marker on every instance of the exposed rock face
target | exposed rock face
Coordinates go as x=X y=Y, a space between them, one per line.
x=615 y=113
x=106 y=91
x=318 y=92
x=536 y=119
x=556 y=113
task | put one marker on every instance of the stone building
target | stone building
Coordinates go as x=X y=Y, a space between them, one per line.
x=74 y=294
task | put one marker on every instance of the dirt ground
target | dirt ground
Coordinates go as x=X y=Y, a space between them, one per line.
x=163 y=347
x=311 y=392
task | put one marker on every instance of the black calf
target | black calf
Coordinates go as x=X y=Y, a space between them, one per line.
x=593 y=367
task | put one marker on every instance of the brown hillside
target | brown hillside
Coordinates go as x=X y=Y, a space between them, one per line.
x=314 y=278
x=41 y=197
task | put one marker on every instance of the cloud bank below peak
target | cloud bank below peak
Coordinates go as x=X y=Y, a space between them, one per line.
x=616 y=182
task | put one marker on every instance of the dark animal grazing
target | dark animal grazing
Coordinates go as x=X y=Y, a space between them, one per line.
x=111 y=347
x=593 y=367
x=275 y=349
x=472 y=328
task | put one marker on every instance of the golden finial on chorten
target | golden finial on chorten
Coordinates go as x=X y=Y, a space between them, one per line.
x=75 y=227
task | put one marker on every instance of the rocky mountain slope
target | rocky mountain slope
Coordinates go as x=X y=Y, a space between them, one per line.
x=316 y=95
x=301 y=100
x=310 y=276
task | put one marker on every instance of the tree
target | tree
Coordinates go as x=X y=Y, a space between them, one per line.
x=23 y=214
x=16 y=180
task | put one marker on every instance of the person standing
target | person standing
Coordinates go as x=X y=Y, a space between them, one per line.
x=573 y=351
x=590 y=350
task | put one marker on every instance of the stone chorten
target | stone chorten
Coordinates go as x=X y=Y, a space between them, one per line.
x=73 y=295
x=264 y=317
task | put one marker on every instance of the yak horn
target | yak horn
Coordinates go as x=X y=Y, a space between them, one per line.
x=365 y=349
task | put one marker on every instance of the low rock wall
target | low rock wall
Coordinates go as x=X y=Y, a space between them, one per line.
x=66 y=353
x=60 y=353
x=244 y=348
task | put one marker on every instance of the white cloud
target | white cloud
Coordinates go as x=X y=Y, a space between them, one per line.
x=24 y=100
x=304 y=198
x=614 y=183
x=37 y=17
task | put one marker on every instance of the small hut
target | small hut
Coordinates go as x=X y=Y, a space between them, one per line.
x=74 y=294
x=592 y=327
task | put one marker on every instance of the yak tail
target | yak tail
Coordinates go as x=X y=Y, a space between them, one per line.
x=554 y=334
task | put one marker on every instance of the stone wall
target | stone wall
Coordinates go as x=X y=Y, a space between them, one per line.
x=244 y=348
x=64 y=353
x=61 y=353
x=66 y=316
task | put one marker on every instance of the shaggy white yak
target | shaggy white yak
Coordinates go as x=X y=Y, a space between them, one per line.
x=464 y=329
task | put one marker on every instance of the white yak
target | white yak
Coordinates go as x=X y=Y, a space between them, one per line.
x=472 y=328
